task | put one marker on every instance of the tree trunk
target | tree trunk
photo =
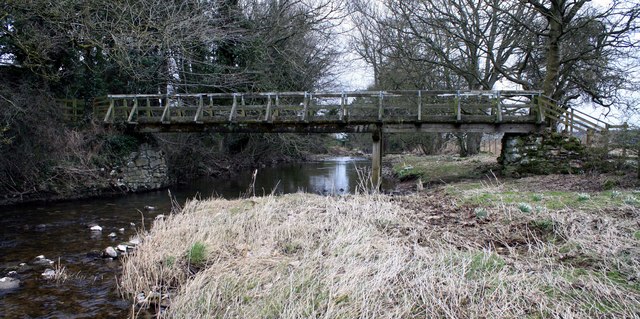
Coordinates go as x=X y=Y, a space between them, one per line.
x=553 y=52
x=473 y=143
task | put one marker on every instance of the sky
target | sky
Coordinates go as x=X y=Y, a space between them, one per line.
x=355 y=74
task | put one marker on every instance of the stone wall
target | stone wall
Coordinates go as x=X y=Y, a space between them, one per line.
x=144 y=169
x=541 y=154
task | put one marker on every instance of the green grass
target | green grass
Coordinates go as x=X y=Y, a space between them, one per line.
x=545 y=225
x=478 y=194
x=582 y=197
x=481 y=213
x=440 y=168
x=170 y=261
x=483 y=264
x=197 y=253
x=525 y=208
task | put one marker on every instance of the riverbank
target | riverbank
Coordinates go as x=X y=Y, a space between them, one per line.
x=491 y=249
x=105 y=184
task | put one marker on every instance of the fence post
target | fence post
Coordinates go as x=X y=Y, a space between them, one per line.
x=134 y=111
x=75 y=110
x=606 y=137
x=199 y=111
x=376 y=158
x=458 y=106
x=108 y=116
x=540 y=117
x=625 y=136
x=305 y=106
x=380 y=101
x=638 y=156
x=590 y=137
x=267 y=116
x=499 y=108
x=341 y=111
x=232 y=113
x=419 y=106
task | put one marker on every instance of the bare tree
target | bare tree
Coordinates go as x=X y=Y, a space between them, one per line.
x=441 y=44
x=578 y=49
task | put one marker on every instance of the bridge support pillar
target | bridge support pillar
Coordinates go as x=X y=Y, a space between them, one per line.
x=376 y=159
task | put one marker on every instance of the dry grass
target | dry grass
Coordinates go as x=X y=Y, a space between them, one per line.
x=374 y=256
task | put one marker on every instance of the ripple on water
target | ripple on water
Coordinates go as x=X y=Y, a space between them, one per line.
x=59 y=230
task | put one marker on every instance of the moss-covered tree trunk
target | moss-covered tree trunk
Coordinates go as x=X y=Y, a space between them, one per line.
x=553 y=53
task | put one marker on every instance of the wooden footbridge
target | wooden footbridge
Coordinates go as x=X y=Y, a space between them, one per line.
x=343 y=112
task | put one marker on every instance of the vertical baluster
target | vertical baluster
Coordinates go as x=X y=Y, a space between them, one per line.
x=267 y=116
x=243 y=112
x=233 y=108
x=458 y=107
x=380 y=103
x=419 y=105
x=198 y=116
x=499 y=108
x=305 y=107
x=341 y=111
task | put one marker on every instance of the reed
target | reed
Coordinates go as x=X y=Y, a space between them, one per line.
x=374 y=256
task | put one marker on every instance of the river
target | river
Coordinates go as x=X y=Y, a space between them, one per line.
x=60 y=232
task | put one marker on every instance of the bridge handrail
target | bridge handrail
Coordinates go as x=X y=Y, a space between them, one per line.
x=334 y=94
x=500 y=106
x=595 y=123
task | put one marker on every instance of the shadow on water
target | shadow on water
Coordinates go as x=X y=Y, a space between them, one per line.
x=60 y=231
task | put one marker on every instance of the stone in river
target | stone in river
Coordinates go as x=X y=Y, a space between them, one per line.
x=49 y=274
x=110 y=252
x=113 y=235
x=40 y=260
x=122 y=248
x=149 y=208
x=8 y=283
x=96 y=228
x=135 y=241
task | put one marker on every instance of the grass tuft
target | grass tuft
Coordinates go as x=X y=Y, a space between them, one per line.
x=196 y=254
x=525 y=208
x=583 y=197
x=481 y=213
x=631 y=200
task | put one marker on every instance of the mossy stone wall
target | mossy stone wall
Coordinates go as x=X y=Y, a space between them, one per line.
x=541 y=154
x=144 y=169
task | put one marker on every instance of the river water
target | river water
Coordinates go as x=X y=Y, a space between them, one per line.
x=60 y=232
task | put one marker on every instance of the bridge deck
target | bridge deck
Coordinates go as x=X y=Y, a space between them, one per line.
x=393 y=111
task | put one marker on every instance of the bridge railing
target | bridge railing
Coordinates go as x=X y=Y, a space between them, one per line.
x=571 y=118
x=318 y=107
x=76 y=111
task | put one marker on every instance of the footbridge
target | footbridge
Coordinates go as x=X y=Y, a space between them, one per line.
x=376 y=112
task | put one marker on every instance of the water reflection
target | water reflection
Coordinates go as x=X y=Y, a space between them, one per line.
x=334 y=176
x=59 y=231
x=335 y=180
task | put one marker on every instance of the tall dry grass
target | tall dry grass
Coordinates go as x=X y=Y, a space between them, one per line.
x=364 y=256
